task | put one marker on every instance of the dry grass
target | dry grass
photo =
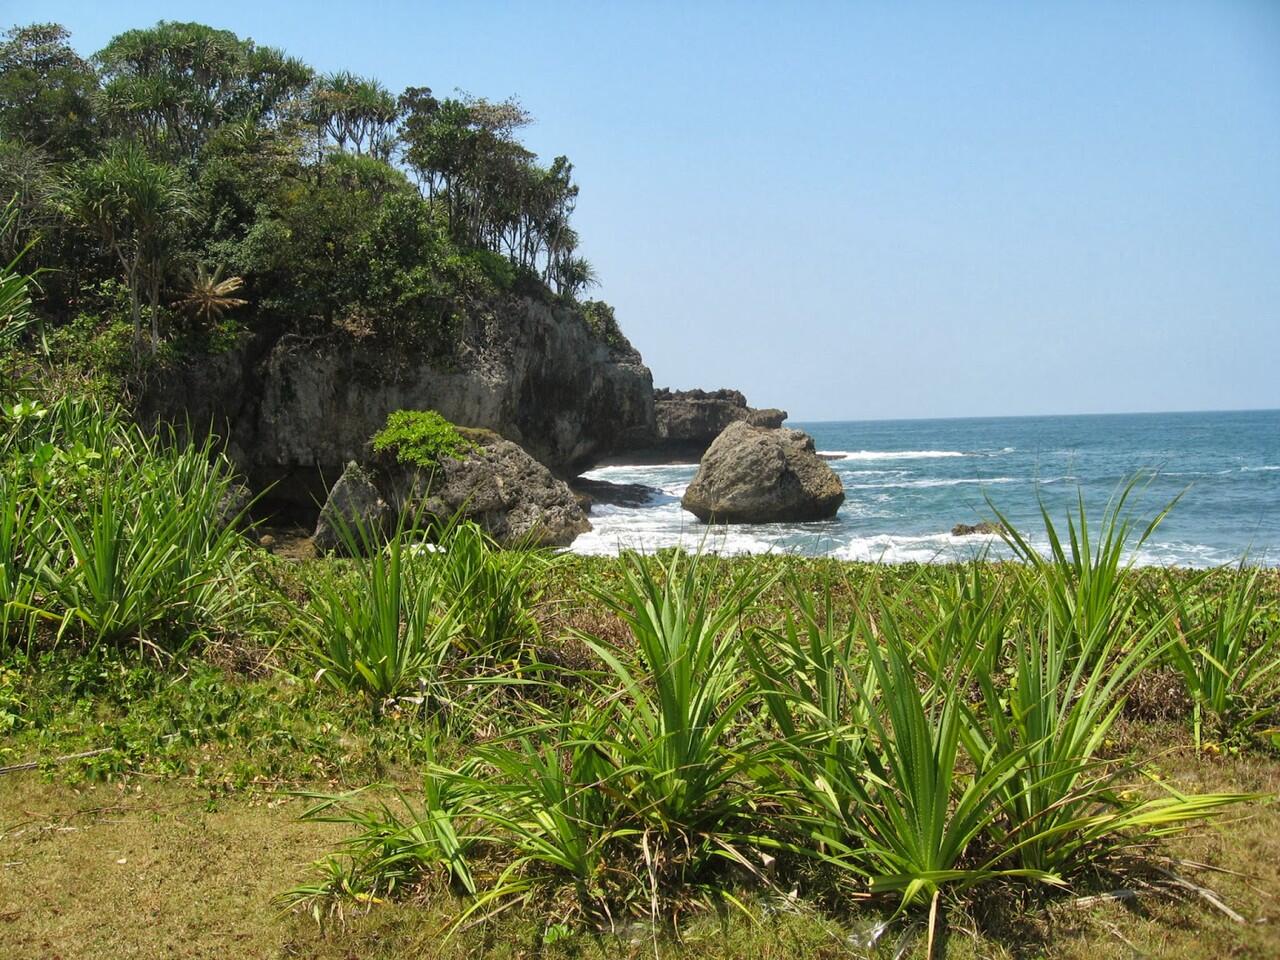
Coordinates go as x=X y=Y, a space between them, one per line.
x=198 y=877
x=145 y=870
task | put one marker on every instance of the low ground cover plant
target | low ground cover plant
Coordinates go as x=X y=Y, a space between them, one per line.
x=915 y=748
x=110 y=535
x=673 y=735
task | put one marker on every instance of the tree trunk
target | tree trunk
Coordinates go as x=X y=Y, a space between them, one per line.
x=155 y=314
x=135 y=311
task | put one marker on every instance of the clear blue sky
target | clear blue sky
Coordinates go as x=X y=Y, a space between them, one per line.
x=866 y=210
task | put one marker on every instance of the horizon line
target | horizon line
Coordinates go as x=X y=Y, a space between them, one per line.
x=1033 y=416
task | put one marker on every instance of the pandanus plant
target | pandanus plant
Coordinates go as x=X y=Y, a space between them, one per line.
x=208 y=295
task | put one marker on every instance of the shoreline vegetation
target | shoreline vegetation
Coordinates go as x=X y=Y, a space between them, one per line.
x=428 y=744
x=515 y=752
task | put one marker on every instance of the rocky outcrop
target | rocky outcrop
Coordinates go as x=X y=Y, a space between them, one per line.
x=755 y=474
x=687 y=421
x=983 y=527
x=590 y=492
x=355 y=504
x=768 y=417
x=513 y=497
x=295 y=409
x=233 y=506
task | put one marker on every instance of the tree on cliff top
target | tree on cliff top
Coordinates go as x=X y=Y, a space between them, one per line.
x=171 y=85
x=46 y=91
x=296 y=182
x=135 y=205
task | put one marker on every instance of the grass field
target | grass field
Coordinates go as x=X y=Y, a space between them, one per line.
x=212 y=751
x=202 y=863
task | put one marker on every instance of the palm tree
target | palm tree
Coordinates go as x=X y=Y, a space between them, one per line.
x=356 y=109
x=15 y=292
x=573 y=275
x=135 y=205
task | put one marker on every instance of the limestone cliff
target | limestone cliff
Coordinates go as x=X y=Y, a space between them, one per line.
x=295 y=409
x=687 y=421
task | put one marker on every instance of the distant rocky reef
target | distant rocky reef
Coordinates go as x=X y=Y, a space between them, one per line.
x=687 y=421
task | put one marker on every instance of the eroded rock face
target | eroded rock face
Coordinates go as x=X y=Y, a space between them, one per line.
x=763 y=475
x=517 y=500
x=687 y=421
x=356 y=503
x=296 y=409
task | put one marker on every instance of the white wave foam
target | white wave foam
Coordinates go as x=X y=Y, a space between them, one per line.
x=928 y=548
x=647 y=535
x=954 y=482
x=1258 y=469
x=618 y=473
x=892 y=454
x=659 y=527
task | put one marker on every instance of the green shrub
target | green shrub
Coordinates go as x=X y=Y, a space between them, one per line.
x=492 y=589
x=494 y=266
x=1229 y=662
x=384 y=628
x=112 y=534
x=603 y=323
x=421 y=438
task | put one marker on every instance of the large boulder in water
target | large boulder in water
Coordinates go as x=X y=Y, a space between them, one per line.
x=495 y=483
x=760 y=475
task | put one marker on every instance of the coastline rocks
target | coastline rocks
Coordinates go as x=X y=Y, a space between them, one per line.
x=293 y=407
x=498 y=485
x=763 y=475
x=683 y=417
x=984 y=527
x=769 y=417
x=354 y=502
x=590 y=492
x=687 y=421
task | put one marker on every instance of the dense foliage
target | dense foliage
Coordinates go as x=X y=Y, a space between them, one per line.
x=420 y=437
x=182 y=164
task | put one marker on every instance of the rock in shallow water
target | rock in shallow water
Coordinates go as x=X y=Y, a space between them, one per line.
x=982 y=527
x=590 y=492
x=760 y=475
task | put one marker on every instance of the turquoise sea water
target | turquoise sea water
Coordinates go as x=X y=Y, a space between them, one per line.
x=908 y=482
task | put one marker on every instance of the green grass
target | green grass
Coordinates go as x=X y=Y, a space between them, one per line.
x=642 y=754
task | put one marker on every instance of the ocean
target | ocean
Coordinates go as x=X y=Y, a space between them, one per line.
x=908 y=482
